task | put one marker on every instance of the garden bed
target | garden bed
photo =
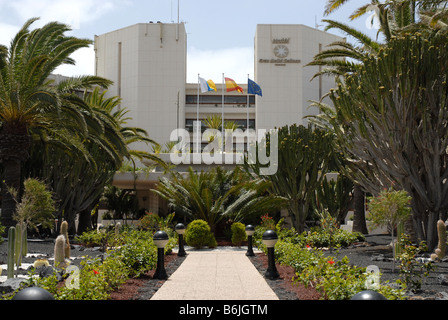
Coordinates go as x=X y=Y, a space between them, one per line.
x=374 y=251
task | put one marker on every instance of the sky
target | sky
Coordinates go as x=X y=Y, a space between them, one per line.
x=220 y=33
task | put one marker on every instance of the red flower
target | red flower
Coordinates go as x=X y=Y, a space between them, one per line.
x=95 y=272
x=330 y=261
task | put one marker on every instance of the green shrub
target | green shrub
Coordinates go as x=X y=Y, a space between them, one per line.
x=198 y=234
x=341 y=238
x=139 y=256
x=335 y=280
x=96 y=280
x=2 y=230
x=91 y=238
x=99 y=277
x=238 y=233
x=153 y=222
x=412 y=271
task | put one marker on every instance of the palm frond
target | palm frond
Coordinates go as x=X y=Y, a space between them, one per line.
x=361 y=38
x=333 y=5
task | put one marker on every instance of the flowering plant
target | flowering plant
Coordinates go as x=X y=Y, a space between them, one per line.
x=267 y=222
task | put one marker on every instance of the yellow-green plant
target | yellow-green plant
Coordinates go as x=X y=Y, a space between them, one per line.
x=412 y=271
x=238 y=233
x=35 y=208
x=329 y=224
x=198 y=234
x=390 y=208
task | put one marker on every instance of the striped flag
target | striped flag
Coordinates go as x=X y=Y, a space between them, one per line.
x=205 y=87
x=232 y=86
x=212 y=86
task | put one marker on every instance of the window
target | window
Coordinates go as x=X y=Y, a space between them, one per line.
x=217 y=100
x=242 y=124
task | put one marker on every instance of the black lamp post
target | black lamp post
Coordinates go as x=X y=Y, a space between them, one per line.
x=270 y=238
x=33 y=293
x=250 y=230
x=368 y=295
x=160 y=240
x=180 y=229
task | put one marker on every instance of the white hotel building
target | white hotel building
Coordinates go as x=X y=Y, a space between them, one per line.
x=148 y=64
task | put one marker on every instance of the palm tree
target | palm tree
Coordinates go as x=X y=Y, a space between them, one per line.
x=343 y=59
x=30 y=104
x=395 y=16
x=79 y=178
x=391 y=116
x=217 y=194
x=304 y=155
x=414 y=5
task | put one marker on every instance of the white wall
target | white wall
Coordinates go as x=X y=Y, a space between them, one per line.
x=152 y=75
x=285 y=80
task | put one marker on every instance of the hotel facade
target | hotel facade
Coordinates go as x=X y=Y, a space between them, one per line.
x=148 y=64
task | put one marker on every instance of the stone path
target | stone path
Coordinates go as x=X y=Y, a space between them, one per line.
x=224 y=274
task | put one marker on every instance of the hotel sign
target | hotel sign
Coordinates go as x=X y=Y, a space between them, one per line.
x=281 y=52
x=279 y=61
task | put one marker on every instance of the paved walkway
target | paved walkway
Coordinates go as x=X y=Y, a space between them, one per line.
x=219 y=274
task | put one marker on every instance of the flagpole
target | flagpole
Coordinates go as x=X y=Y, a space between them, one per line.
x=248 y=103
x=197 y=117
x=222 y=129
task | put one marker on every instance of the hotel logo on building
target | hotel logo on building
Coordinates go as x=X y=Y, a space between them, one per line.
x=281 y=52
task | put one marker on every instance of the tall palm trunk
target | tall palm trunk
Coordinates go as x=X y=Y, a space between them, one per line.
x=359 y=216
x=11 y=179
x=15 y=145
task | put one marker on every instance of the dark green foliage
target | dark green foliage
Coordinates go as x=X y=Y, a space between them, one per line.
x=33 y=108
x=304 y=154
x=390 y=120
x=238 y=233
x=217 y=194
x=122 y=203
x=334 y=195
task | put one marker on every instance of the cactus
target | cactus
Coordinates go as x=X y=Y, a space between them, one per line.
x=24 y=242
x=11 y=251
x=40 y=262
x=117 y=228
x=441 y=230
x=64 y=232
x=59 y=252
x=21 y=244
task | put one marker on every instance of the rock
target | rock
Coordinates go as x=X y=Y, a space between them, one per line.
x=420 y=298
x=442 y=295
x=11 y=285
x=379 y=257
x=442 y=279
x=49 y=271
x=423 y=259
